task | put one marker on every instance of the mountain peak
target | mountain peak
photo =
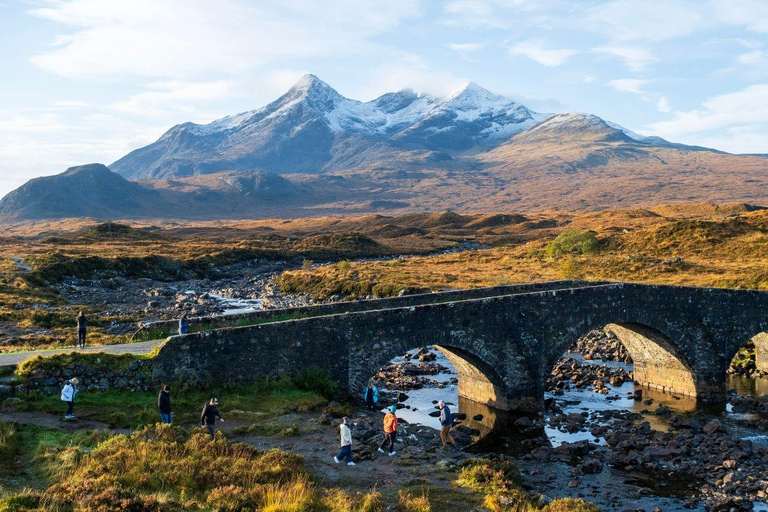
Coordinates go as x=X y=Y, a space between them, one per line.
x=472 y=90
x=309 y=84
x=94 y=169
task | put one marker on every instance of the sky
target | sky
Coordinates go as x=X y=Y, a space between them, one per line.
x=86 y=81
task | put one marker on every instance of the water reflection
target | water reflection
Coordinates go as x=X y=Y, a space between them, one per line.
x=495 y=430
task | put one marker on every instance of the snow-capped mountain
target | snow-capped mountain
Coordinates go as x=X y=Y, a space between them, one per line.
x=311 y=127
x=314 y=129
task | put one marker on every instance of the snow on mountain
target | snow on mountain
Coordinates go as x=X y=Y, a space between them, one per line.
x=629 y=133
x=386 y=114
x=312 y=128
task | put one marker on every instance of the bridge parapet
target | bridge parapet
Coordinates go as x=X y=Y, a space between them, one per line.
x=503 y=346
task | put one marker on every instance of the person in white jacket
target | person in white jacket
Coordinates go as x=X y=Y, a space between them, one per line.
x=68 y=395
x=346 y=443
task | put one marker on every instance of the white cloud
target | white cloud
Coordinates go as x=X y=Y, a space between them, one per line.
x=735 y=122
x=466 y=49
x=635 y=58
x=662 y=104
x=535 y=50
x=173 y=96
x=746 y=107
x=633 y=85
x=488 y=14
x=409 y=72
x=752 y=14
x=648 y=20
x=187 y=38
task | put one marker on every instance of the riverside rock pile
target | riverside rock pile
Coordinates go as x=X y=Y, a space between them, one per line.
x=569 y=374
x=732 y=469
x=413 y=375
x=599 y=345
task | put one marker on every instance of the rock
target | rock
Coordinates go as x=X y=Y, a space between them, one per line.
x=729 y=464
x=591 y=466
x=477 y=417
x=402 y=397
x=523 y=422
x=6 y=391
x=435 y=414
x=714 y=426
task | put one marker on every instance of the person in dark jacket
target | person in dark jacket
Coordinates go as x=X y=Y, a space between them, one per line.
x=210 y=413
x=82 y=327
x=164 y=405
x=446 y=422
x=183 y=325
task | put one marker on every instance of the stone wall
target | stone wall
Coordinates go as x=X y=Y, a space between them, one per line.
x=147 y=331
x=504 y=347
x=95 y=372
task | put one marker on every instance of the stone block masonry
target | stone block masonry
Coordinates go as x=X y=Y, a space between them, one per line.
x=503 y=344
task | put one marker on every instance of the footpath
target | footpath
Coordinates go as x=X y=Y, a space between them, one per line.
x=141 y=347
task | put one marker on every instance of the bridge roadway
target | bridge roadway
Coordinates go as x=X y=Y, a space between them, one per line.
x=503 y=341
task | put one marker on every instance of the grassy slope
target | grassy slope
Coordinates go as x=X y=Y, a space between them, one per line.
x=725 y=252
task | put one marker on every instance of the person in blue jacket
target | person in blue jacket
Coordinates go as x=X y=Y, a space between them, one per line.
x=371 y=395
x=183 y=325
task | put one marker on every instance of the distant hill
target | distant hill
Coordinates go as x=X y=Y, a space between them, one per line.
x=314 y=152
x=95 y=191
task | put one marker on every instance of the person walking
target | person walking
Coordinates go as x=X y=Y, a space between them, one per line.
x=371 y=395
x=210 y=413
x=82 y=327
x=183 y=325
x=446 y=422
x=390 y=431
x=68 y=396
x=346 y=443
x=164 y=405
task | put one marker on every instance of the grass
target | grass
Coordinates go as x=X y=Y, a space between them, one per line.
x=729 y=253
x=52 y=365
x=128 y=409
x=500 y=481
x=9 y=449
x=164 y=468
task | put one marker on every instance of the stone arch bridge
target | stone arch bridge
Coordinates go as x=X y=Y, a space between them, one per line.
x=503 y=341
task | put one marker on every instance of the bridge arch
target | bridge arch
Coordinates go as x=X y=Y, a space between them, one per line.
x=659 y=362
x=483 y=374
x=760 y=341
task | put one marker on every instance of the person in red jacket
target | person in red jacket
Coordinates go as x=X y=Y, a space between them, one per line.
x=390 y=431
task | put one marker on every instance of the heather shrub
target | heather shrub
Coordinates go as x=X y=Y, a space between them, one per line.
x=570 y=505
x=316 y=380
x=410 y=503
x=572 y=241
x=489 y=475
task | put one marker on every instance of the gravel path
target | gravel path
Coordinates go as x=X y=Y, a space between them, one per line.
x=141 y=347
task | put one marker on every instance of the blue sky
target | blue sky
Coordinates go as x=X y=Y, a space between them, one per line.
x=90 y=80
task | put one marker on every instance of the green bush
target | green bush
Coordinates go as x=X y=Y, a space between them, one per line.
x=572 y=241
x=316 y=380
x=20 y=502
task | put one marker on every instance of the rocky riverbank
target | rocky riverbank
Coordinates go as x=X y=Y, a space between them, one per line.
x=249 y=283
x=601 y=345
